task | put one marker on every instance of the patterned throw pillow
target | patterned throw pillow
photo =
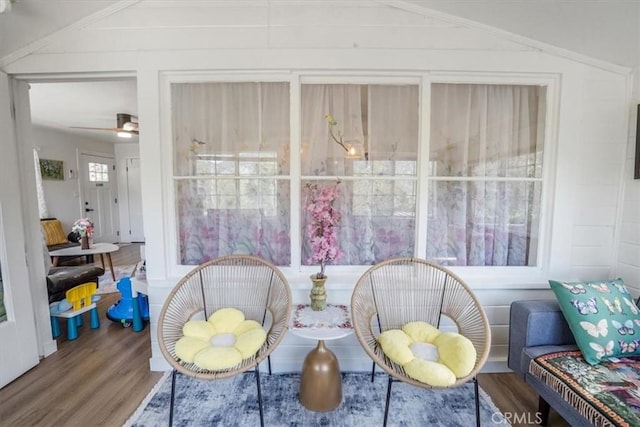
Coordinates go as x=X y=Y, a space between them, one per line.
x=603 y=317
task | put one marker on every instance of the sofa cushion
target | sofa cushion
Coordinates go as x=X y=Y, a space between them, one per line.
x=530 y=353
x=605 y=394
x=61 y=279
x=52 y=248
x=428 y=355
x=603 y=317
x=222 y=341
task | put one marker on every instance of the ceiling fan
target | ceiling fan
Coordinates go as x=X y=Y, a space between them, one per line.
x=126 y=126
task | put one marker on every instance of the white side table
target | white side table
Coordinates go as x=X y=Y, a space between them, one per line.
x=320 y=380
x=95 y=249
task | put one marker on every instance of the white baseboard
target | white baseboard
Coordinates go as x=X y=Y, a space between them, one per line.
x=495 y=366
x=159 y=364
x=49 y=347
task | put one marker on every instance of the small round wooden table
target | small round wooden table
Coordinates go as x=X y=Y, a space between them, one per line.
x=320 y=380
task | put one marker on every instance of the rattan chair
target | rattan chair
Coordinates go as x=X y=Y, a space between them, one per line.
x=401 y=290
x=250 y=284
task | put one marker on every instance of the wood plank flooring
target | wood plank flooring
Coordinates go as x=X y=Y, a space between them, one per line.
x=516 y=399
x=97 y=380
x=101 y=378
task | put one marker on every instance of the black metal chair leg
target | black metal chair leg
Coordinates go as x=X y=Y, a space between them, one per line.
x=269 y=363
x=173 y=396
x=475 y=386
x=373 y=370
x=386 y=406
x=259 y=395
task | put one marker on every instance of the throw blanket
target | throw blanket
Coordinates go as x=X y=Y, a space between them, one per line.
x=607 y=394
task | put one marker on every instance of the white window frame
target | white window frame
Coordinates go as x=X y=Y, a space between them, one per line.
x=499 y=276
x=487 y=276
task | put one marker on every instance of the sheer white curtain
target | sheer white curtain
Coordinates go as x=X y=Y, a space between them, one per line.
x=231 y=162
x=42 y=203
x=382 y=120
x=321 y=156
x=394 y=122
x=486 y=132
x=231 y=170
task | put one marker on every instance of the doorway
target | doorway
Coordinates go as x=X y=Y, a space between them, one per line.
x=77 y=132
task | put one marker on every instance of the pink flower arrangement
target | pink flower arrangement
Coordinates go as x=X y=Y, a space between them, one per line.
x=322 y=230
x=83 y=226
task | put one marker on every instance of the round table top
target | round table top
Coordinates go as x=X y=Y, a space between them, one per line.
x=332 y=323
x=96 y=248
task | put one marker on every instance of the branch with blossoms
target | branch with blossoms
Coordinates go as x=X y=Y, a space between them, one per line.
x=333 y=124
x=322 y=230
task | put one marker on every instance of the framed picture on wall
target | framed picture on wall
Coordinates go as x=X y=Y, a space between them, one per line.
x=52 y=169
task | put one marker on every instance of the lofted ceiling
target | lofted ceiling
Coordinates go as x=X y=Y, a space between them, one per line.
x=605 y=30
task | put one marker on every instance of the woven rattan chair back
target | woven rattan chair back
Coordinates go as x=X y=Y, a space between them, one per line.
x=250 y=284
x=402 y=290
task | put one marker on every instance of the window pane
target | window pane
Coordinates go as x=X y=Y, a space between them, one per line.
x=374 y=223
x=483 y=223
x=364 y=132
x=98 y=172
x=344 y=127
x=218 y=125
x=480 y=131
x=487 y=130
x=228 y=131
x=214 y=222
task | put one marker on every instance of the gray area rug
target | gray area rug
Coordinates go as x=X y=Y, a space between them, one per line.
x=233 y=402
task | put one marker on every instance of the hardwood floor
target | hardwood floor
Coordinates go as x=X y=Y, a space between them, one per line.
x=516 y=399
x=97 y=380
x=103 y=376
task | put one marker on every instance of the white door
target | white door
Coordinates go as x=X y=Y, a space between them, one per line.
x=99 y=198
x=18 y=339
x=134 y=200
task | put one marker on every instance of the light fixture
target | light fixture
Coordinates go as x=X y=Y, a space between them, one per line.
x=125 y=134
x=129 y=126
x=353 y=149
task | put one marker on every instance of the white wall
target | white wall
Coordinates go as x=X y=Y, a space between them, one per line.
x=63 y=197
x=628 y=259
x=587 y=140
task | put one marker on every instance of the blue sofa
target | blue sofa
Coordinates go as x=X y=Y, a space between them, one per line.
x=537 y=328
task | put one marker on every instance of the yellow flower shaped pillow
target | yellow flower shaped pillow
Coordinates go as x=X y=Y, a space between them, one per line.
x=221 y=342
x=428 y=355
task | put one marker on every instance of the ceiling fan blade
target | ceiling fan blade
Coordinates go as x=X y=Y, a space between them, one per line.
x=83 y=127
x=133 y=131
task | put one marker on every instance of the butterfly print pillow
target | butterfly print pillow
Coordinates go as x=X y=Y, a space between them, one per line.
x=603 y=317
